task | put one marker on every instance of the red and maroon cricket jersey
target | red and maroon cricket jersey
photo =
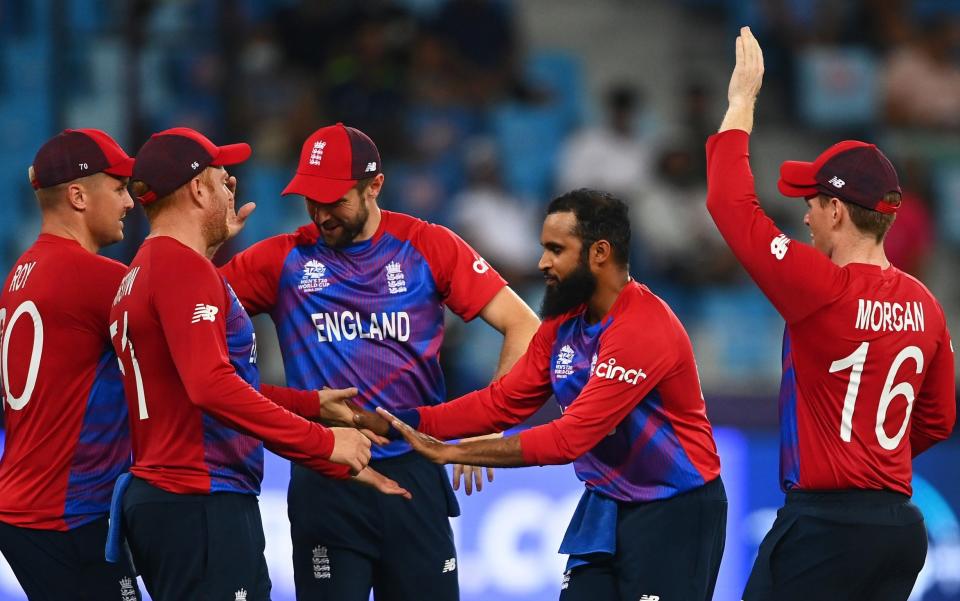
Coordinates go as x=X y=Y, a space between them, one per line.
x=868 y=368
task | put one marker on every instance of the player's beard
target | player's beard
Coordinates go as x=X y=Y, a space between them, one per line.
x=568 y=293
x=349 y=230
x=214 y=227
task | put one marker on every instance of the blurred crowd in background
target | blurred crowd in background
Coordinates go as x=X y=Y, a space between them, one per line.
x=483 y=110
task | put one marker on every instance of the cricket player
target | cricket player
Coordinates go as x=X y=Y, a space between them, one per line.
x=651 y=522
x=868 y=367
x=67 y=437
x=188 y=354
x=358 y=299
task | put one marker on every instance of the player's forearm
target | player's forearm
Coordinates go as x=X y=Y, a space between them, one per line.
x=304 y=403
x=498 y=452
x=516 y=339
x=480 y=412
x=739 y=115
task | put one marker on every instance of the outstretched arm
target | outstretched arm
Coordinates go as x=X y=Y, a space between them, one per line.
x=797 y=278
x=744 y=83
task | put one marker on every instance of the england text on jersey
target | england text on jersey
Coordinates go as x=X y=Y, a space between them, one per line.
x=349 y=325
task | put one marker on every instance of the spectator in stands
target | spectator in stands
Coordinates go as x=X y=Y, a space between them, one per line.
x=610 y=156
x=922 y=79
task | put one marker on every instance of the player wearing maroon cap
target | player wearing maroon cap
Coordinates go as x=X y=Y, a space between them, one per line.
x=358 y=298
x=188 y=354
x=868 y=366
x=67 y=438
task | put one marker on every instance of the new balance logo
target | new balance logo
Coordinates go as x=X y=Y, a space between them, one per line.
x=836 y=182
x=371 y=166
x=317 y=153
x=778 y=246
x=240 y=595
x=649 y=598
x=204 y=313
x=449 y=565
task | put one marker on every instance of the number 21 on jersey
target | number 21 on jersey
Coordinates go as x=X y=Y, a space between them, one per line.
x=126 y=343
x=855 y=362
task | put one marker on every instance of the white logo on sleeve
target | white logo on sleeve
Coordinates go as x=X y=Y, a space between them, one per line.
x=836 y=182
x=779 y=246
x=480 y=266
x=564 y=365
x=396 y=280
x=317 y=153
x=204 y=312
x=449 y=565
x=609 y=370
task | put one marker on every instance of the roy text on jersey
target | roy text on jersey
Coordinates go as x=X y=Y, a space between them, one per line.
x=314 y=277
x=20 y=275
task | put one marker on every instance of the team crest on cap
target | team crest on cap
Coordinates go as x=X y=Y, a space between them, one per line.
x=317 y=153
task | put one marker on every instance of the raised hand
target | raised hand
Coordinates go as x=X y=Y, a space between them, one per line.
x=374 y=479
x=745 y=82
x=236 y=219
x=350 y=447
x=747 y=75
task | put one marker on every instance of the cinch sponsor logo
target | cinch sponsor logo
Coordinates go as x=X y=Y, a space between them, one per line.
x=884 y=316
x=348 y=325
x=609 y=370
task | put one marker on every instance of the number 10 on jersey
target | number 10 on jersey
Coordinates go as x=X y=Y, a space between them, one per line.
x=125 y=342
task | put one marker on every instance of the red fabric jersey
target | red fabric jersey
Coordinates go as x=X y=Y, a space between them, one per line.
x=868 y=367
x=67 y=437
x=634 y=421
x=168 y=327
x=334 y=308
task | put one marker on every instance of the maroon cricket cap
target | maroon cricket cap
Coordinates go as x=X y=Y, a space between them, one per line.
x=76 y=153
x=172 y=157
x=853 y=171
x=332 y=160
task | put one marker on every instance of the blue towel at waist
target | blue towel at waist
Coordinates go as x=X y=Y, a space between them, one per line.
x=592 y=530
x=114 y=546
